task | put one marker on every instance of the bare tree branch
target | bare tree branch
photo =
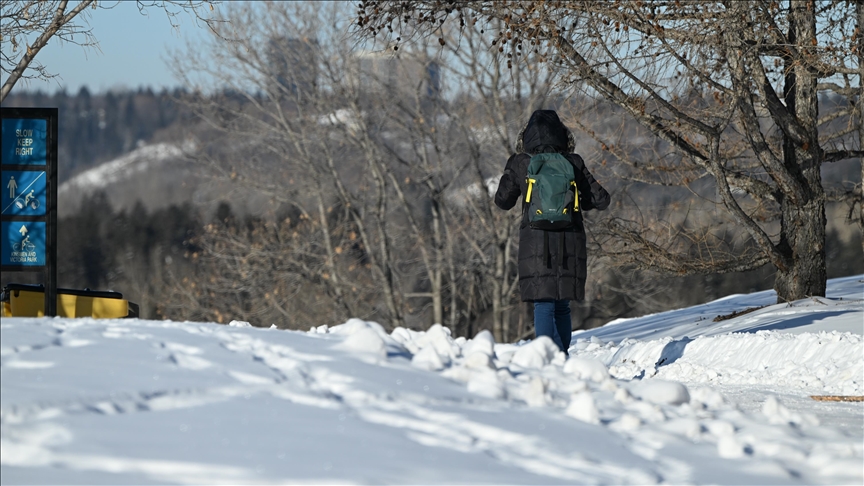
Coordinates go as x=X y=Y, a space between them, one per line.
x=838 y=155
x=21 y=19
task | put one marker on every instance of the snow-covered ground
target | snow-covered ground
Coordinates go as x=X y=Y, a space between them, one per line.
x=668 y=398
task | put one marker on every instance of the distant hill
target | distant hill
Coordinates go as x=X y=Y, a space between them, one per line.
x=95 y=128
x=157 y=176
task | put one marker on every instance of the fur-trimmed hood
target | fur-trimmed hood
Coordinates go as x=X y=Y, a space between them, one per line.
x=544 y=132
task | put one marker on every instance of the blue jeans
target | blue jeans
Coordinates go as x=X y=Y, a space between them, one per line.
x=552 y=318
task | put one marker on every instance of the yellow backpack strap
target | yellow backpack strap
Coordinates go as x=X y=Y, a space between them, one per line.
x=530 y=187
x=575 y=196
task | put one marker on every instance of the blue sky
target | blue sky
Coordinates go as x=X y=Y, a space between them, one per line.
x=133 y=52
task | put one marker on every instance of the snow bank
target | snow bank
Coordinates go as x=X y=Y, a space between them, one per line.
x=826 y=363
x=812 y=345
x=134 y=401
x=667 y=384
x=661 y=392
x=588 y=369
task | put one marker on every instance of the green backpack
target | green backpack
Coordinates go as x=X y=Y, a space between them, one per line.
x=552 y=196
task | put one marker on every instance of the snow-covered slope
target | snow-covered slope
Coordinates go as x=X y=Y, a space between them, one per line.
x=126 y=167
x=156 y=176
x=669 y=398
x=813 y=344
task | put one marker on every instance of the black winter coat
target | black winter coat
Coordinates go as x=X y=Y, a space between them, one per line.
x=552 y=264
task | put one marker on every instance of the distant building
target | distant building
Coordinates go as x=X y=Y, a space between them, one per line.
x=293 y=65
x=404 y=72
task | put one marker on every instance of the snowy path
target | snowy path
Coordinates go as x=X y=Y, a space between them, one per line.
x=179 y=408
x=134 y=401
x=848 y=416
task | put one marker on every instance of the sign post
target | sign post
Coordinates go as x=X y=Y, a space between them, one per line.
x=28 y=206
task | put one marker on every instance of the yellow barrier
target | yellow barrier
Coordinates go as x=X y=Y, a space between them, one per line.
x=29 y=301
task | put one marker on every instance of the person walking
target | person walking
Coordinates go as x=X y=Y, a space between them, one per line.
x=552 y=264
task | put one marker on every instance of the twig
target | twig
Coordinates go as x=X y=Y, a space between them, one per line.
x=838 y=398
x=737 y=313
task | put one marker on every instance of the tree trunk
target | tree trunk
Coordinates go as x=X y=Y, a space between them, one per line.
x=438 y=265
x=802 y=230
x=335 y=281
x=859 y=9
x=451 y=271
x=498 y=285
x=803 y=242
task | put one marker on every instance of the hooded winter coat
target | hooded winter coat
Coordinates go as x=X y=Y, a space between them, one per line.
x=552 y=264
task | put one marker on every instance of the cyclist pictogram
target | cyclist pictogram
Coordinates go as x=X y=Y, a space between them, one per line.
x=24 y=245
x=29 y=200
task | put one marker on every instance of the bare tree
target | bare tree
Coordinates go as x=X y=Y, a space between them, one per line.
x=294 y=130
x=67 y=22
x=857 y=194
x=379 y=188
x=379 y=184
x=730 y=91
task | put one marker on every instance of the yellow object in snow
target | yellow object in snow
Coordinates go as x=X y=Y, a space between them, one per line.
x=20 y=300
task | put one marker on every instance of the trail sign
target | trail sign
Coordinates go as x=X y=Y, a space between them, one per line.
x=28 y=206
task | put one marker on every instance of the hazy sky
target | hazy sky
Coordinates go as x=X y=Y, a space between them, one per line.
x=133 y=51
